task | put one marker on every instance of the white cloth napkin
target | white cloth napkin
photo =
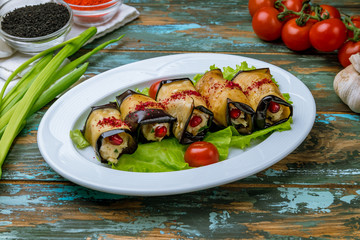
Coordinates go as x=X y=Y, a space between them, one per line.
x=11 y=60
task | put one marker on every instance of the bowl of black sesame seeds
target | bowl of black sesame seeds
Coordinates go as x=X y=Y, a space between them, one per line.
x=32 y=26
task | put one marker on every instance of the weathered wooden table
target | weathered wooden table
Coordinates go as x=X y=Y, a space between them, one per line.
x=312 y=193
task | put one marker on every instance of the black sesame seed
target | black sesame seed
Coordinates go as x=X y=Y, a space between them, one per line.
x=35 y=21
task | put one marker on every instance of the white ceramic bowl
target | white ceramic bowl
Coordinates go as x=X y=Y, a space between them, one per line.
x=33 y=45
x=95 y=15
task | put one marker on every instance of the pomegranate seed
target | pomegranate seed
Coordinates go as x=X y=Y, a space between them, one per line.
x=195 y=121
x=235 y=113
x=116 y=140
x=160 y=131
x=274 y=107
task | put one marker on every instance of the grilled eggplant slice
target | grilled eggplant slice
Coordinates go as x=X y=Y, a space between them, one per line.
x=144 y=115
x=109 y=136
x=227 y=101
x=264 y=96
x=182 y=101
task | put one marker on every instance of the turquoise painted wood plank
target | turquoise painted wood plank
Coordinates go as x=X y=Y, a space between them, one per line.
x=330 y=152
x=233 y=211
x=169 y=25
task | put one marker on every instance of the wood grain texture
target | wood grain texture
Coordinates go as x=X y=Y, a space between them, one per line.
x=313 y=193
x=232 y=211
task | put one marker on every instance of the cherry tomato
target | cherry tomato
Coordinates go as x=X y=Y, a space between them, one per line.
x=332 y=11
x=355 y=18
x=153 y=89
x=201 y=153
x=255 y=5
x=115 y=139
x=266 y=25
x=294 y=5
x=328 y=35
x=357 y=24
x=296 y=37
x=348 y=49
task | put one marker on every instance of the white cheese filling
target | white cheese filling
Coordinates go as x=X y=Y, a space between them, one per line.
x=148 y=130
x=204 y=117
x=274 y=117
x=240 y=120
x=111 y=152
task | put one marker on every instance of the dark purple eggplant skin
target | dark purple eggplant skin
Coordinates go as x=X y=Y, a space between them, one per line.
x=260 y=115
x=248 y=112
x=131 y=148
x=146 y=116
x=141 y=117
x=251 y=70
x=187 y=137
x=120 y=98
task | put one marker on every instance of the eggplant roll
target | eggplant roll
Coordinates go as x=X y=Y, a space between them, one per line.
x=108 y=134
x=144 y=115
x=264 y=96
x=227 y=101
x=182 y=101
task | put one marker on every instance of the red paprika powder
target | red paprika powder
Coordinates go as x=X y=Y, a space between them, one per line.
x=86 y=2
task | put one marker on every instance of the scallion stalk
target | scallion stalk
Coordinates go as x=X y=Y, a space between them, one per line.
x=23 y=66
x=48 y=95
x=37 y=87
x=18 y=91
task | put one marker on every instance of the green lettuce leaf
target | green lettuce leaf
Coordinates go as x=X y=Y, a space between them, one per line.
x=221 y=139
x=145 y=91
x=168 y=155
x=164 y=156
x=228 y=72
x=78 y=139
x=239 y=141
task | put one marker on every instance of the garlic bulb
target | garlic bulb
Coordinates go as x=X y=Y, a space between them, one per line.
x=347 y=84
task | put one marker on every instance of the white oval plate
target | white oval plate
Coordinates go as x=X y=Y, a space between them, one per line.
x=81 y=167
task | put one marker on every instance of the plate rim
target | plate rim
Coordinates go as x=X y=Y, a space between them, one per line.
x=141 y=191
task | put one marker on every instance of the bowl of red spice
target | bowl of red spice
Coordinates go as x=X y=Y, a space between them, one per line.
x=32 y=26
x=90 y=13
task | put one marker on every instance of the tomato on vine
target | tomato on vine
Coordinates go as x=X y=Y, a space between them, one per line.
x=296 y=37
x=356 y=21
x=266 y=24
x=290 y=5
x=255 y=5
x=345 y=52
x=328 y=35
x=333 y=12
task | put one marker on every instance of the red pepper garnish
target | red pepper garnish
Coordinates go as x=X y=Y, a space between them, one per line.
x=257 y=84
x=111 y=121
x=149 y=104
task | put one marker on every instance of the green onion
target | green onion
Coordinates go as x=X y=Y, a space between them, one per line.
x=29 y=61
x=48 y=95
x=18 y=91
x=37 y=87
